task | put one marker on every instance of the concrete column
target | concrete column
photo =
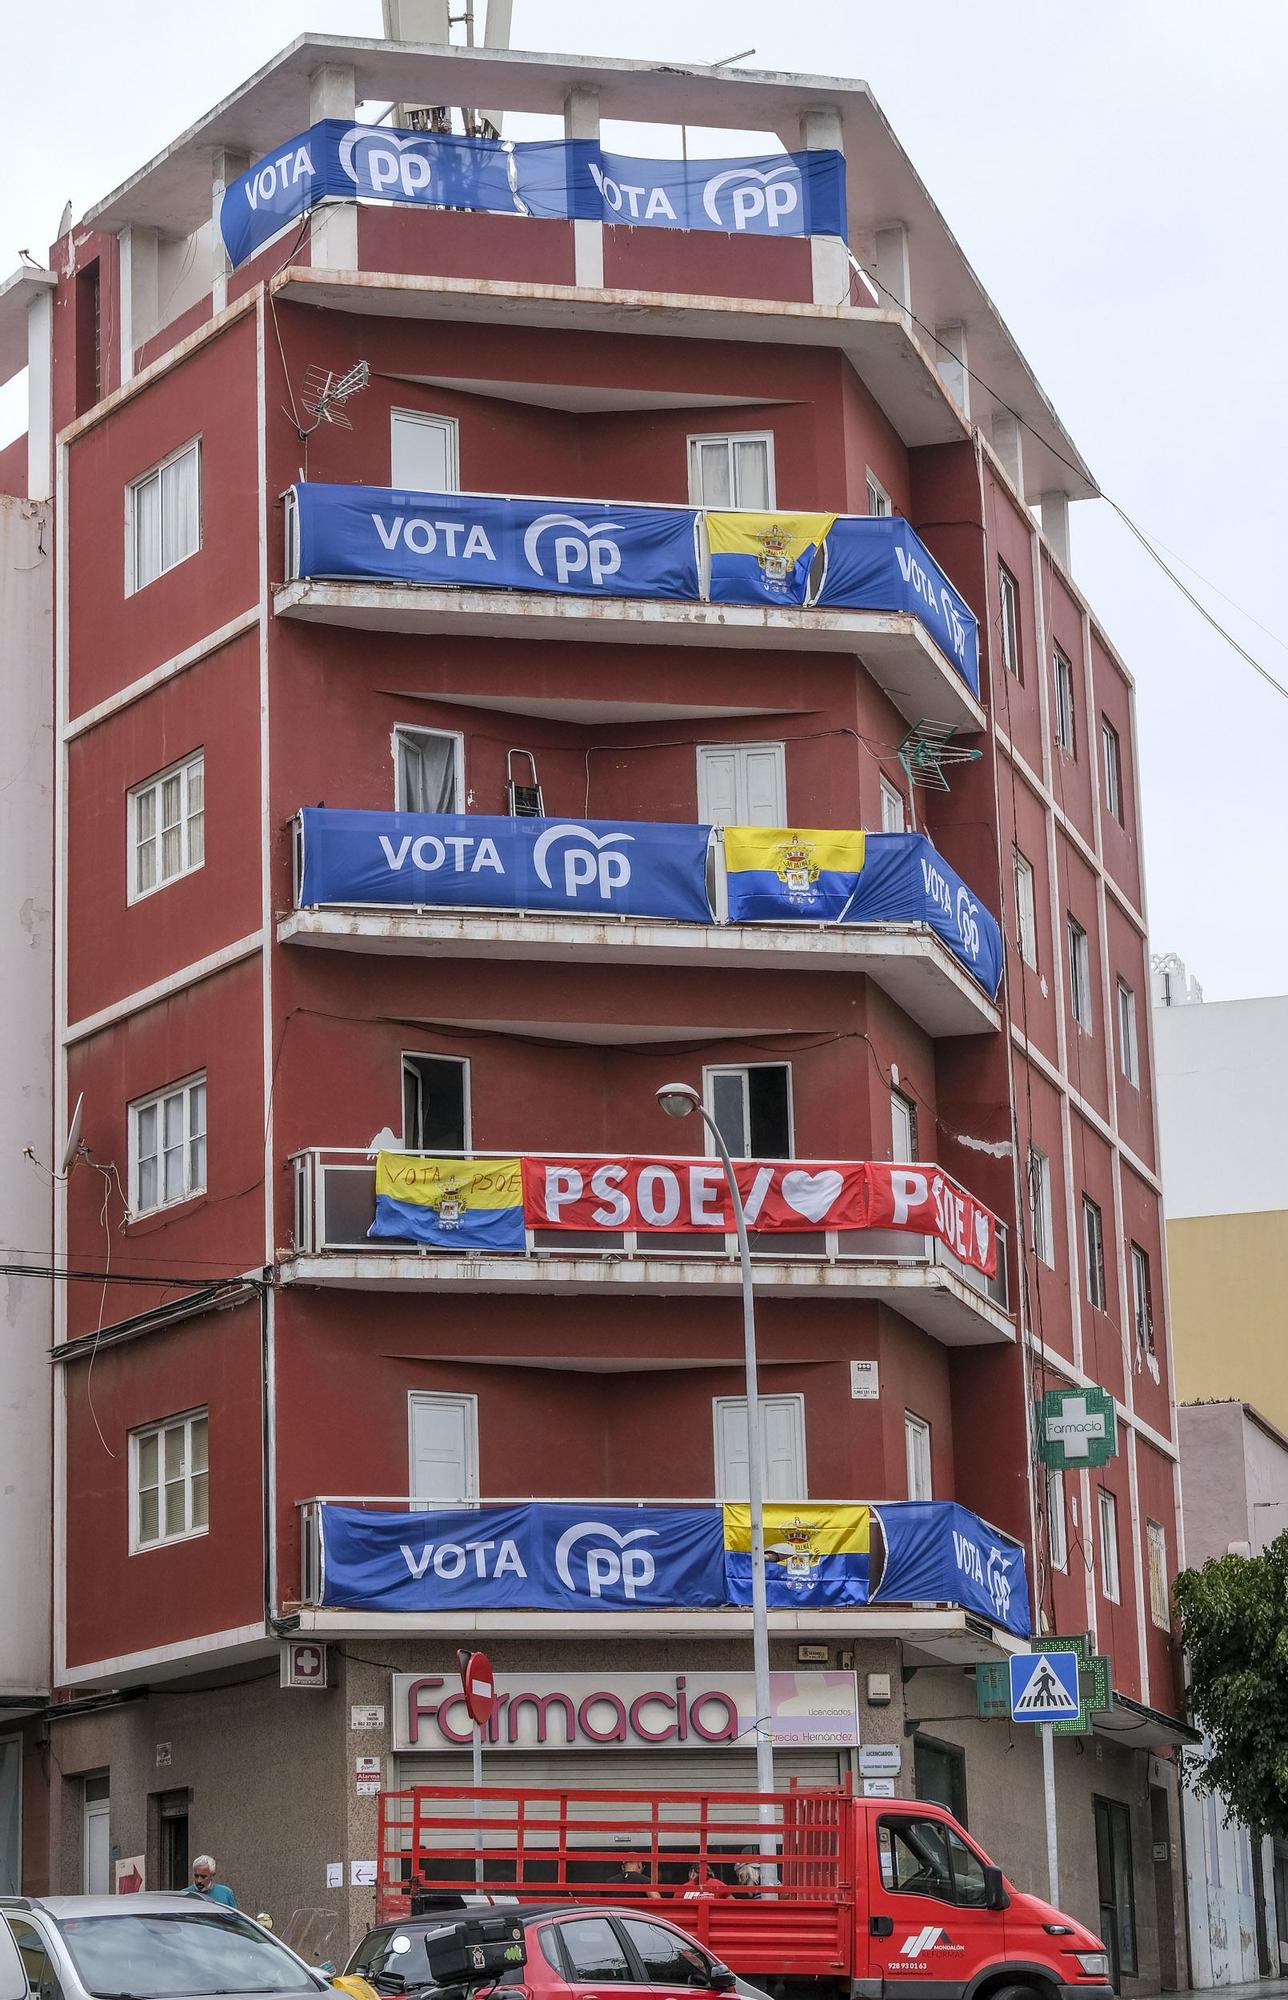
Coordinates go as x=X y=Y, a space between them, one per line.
x=894 y=271
x=40 y=396
x=951 y=356
x=140 y=294
x=225 y=166
x=581 y=121
x=820 y=129
x=1055 y=523
x=1007 y=434
x=334 y=226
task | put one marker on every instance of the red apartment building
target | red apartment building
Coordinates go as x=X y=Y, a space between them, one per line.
x=238 y=1054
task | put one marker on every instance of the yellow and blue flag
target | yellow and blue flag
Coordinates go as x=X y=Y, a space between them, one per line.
x=781 y=874
x=461 y=1205
x=763 y=558
x=813 y=1555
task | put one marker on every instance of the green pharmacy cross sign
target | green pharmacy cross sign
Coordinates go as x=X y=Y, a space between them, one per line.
x=1076 y=1428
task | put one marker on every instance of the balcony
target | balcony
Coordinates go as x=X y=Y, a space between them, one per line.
x=912 y=1269
x=664 y=894
x=497 y=566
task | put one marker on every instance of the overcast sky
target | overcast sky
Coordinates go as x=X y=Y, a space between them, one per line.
x=1115 y=170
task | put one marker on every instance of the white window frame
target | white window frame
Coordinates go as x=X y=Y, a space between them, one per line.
x=453 y=736
x=184 y=770
x=1066 y=713
x=1008 y=602
x=1079 y=974
x=1093 y=1253
x=1156 y=1565
x=705 y=751
x=880 y=505
x=458 y=1400
x=1142 y=1309
x=1057 y=1520
x=1026 y=912
x=918 y=1461
x=157 y=1099
x=1107 y=1523
x=903 y=1109
x=738 y=1404
x=1111 y=753
x=710 y=1071
x=190 y=1533
x=1042 y=1220
x=427 y=420
x=135 y=486
x=729 y=438
x=894 y=809
x=1128 y=1047
x=436 y=1055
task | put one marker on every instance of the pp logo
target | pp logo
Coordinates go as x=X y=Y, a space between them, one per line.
x=586 y=549
x=585 y=865
x=378 y=163
x=775 y=194
x=997 y=1580
x=968 y=922
x=633 y=1568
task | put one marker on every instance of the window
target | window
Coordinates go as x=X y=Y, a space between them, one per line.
x=428 y=771
x=168 y=1146
x=1108 y=1511
x=925 y=1857
x=782 y=1447
x=903 y=1127
x=436 y=1101
x=1093 y=1245
x=1026 y=927
x=732 y=470
x=1112 y=749
x=1156 y=1550
x=916 y=1441
x=443 y=1434
x=168 y=1477
x=1040 y=1217
x=1057 y=1527
x=878 y=498
x=595 y=1952
x=1142 y=1309
x=892 y=808
x=1064 y=712
x=742 y=784
x=939 y=1774
x=668 y=1959
x=423 y=455
x=1009 y=606
x=752 y=1108
x=1079 y=976
x=163 y=517
x=167 y=826
x=1128 y=1058
x=42 y=1980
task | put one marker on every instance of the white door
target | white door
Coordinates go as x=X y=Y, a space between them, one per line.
x=97 y=1851
x=422 y=453
x=903 y=1136
x=782 y=1446
x=444 y=1449
x=742 y=784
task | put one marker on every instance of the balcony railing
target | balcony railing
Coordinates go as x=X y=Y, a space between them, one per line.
x=613 y=550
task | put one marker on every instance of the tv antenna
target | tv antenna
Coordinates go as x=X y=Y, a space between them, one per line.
x=325 y=394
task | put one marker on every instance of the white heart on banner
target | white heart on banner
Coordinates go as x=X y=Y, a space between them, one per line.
x=981 y=1234
x=811 y=1195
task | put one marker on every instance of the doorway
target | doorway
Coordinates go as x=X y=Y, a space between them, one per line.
x=96 y=1844
x=1117 y=1885
x=172 y=1840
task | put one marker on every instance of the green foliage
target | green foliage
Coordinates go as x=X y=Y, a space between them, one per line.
x=1234 y=1627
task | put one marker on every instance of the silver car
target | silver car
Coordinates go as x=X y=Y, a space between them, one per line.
x=145 y=1947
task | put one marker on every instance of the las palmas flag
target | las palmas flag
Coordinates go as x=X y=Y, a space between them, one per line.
x=813 y=1555
x=460 y=1205
x=779 y=874
x=763 y=558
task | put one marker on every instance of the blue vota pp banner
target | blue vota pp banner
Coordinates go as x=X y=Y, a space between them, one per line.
x=486 y=543
x=883 y=565
x=784 y=194
x=939 y=1553
x=586 y=867
x=546 y=1557
x=904 y=880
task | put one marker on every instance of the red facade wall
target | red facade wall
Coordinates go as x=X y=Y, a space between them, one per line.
x=1119 y=836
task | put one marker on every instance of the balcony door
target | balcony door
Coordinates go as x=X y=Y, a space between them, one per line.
x=423 y=454
x=782 y=1447
x=444 y=1449
x=436 y=1104
x=742 y=784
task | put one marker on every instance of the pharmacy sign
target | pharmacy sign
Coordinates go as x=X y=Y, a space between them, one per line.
x=1076 y=1428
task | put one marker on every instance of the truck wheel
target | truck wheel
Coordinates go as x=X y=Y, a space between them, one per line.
x=1014 y=1993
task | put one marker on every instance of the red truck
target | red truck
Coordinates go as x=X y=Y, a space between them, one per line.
x=816 y=1892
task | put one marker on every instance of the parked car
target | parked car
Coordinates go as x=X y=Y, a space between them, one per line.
x=147 y=1947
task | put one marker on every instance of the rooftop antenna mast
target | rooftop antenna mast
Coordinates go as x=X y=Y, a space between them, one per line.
x=433 y=21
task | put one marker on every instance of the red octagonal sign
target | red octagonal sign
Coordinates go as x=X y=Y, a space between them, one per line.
x=479 y=1686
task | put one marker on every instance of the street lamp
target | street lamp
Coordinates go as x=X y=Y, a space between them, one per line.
x=678 y=1100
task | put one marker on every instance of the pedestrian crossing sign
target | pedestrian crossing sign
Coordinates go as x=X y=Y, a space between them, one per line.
x=1044 y=1687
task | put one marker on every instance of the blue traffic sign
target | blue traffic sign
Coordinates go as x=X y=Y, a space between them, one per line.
x=1044 y=1687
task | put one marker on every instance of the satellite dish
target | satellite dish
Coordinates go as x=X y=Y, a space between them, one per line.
x=72 y=1148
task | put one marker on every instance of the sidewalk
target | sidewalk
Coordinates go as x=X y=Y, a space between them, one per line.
x=1252 y=1989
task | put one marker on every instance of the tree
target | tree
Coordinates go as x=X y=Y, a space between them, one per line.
x=1234 y=1628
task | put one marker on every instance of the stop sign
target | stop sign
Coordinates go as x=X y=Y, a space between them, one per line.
x=479 y=1686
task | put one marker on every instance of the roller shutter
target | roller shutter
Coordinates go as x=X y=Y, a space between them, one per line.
x=668 y=1770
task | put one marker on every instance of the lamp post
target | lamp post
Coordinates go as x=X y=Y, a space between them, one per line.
x=678 y=1100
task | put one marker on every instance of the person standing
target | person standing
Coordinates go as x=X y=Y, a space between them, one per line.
x=203 y=1883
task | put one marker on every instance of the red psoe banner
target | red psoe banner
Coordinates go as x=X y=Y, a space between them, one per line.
x=922 y=1198
x=690 y=1195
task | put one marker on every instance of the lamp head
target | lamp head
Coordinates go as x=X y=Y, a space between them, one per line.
x=678 y=1099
